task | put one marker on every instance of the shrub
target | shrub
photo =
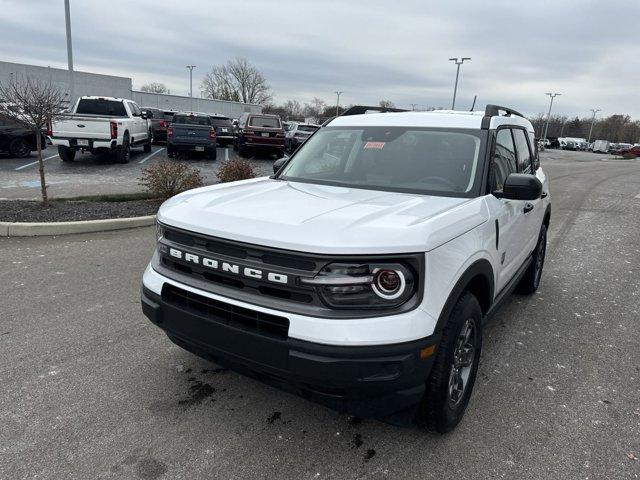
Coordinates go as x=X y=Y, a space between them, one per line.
x=166 y=179
x=236 y=169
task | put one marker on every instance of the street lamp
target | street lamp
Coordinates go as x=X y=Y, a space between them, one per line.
x=455 y=88
x=546 y=128
x=67 y=20
x=338 y=103
x=191 y=67
x=413 y=106
x=593 y=120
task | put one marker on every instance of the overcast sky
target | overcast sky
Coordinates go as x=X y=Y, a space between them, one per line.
x=370 y=49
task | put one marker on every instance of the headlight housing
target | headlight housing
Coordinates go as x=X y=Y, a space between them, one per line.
x=159 y=231
x=367 y=285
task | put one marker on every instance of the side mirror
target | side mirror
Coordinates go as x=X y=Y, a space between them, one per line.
x=144 y=115
x=278 y=164
x=521 y=186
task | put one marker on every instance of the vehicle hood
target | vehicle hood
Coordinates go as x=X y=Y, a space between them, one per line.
x=322 y=219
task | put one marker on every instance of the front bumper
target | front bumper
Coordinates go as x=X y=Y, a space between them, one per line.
x=368 y=381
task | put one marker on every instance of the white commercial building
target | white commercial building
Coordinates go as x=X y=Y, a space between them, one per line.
x=86 y=83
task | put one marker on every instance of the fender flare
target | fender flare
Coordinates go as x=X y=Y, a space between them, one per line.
x=480 y=268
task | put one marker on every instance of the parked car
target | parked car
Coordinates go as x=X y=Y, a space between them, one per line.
x=159 y=120
x=298 y=134
x=101 y=124
x=600 y=146
x=259 y=132
x=616 y=148
x=361 y=274
x=224 y=129
x=17 y=140
x=633 y=151
x=568 y=144
x=191 y=132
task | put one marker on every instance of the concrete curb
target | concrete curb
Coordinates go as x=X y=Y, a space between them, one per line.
x=19 y=229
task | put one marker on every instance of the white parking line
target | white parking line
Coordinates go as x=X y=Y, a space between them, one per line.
x=226 y=154
x=33 y=163
x=638 y=196
x=149 y=156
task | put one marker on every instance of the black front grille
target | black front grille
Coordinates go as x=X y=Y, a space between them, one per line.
x=221 y=312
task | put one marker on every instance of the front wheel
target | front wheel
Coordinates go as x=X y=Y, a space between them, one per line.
x=454 y=369
x=531 y=278
x=66 y=154
x=19 y=148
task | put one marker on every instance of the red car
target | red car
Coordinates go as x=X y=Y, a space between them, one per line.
x=259 y=132
x=633 y=151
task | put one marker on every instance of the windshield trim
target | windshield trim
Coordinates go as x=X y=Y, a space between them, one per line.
x=478 y=183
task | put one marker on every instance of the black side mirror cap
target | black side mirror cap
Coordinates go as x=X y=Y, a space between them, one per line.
x=521 y=186
x=278 y=164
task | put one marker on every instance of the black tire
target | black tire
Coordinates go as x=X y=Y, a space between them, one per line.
x=531 y=279
x=443 y=405
x=212 y=153
x=66 y=154
x=235 y=145
x=19 y=148
x=123 y=152
x=147 y=145
x=279 y=154
x=170 y=152
x=243 y=151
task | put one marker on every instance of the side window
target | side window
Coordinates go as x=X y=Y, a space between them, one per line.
x=504 y=158
x=536 y=154
x=134 y=109
x=524 y=154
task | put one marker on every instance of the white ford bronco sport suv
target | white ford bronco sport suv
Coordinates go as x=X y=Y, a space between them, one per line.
x=361 y=274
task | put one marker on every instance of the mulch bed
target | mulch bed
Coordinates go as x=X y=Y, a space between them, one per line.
x=68 y=211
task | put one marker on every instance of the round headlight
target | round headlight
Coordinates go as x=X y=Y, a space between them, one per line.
x=388 y=284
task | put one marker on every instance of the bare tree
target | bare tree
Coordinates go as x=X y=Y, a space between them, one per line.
x=154 y=87
x=315 y=108
x=386 y=104
x=238 y=81
x=33 y=104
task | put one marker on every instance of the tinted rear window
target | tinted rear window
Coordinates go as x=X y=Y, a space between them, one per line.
x=307 y=128
x=267 y=122
x=191 y=120
x=88 y=106
x=220 y=122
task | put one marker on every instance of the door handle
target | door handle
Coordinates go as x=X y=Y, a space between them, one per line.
x=543 y=195
x=528 y=207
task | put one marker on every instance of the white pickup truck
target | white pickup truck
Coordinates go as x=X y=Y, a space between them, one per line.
x=101 y=124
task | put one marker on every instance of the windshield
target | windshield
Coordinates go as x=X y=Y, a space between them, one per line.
x=427 y=161
x=308 y=128
x=99 y=106
x=268 y=122
x=191 y=120
x=220 y=122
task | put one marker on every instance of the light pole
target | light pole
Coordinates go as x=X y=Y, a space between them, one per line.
x=191 y=67
x=593 y=120
x=455 y=88
x=413 y=106
x=546 y=127
x=67 y=19
x=338 y=103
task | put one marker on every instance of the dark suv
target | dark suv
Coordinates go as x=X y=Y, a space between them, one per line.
x=259 y=132
x=159 y=120
x=224 y=129
x=191 y=132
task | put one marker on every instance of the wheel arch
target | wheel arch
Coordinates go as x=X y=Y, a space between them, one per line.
x=477 y=279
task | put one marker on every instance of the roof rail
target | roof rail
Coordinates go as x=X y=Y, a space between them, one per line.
x=362 y=109
x=494 y=111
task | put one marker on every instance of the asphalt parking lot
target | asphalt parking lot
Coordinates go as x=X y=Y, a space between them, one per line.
x=91 y=389
x=94 y=175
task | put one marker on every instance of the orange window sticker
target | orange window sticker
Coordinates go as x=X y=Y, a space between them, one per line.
x=374 y=145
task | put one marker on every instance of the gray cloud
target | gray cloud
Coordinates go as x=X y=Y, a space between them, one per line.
x=368 y=49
